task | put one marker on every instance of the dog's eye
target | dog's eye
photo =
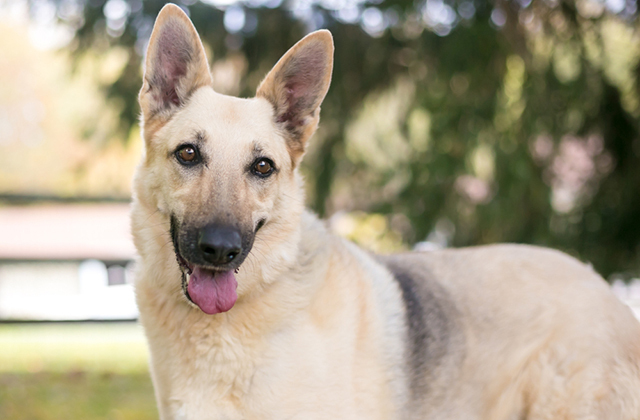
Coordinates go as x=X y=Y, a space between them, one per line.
x=263 y=167
x=188 y=155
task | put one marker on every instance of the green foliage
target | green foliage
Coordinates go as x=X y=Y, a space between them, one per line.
x=515 y=121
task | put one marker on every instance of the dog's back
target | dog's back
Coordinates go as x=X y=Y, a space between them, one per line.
x=512 y=331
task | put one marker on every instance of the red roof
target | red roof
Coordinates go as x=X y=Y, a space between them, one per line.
x=66 y=232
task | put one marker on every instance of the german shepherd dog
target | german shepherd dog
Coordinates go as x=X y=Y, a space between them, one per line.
x=254 y=310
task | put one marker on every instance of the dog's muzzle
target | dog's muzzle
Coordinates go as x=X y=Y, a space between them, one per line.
x=219 y=244
x=209 y=256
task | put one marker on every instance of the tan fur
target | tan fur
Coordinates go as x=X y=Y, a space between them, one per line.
x=272 y=87
x=197 y=74
x=321 y=329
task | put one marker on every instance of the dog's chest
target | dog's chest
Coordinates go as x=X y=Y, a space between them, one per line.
x=212 y=370
x=232 y=377
x=218 y=355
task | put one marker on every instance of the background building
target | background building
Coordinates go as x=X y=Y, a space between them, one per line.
x=66 y=262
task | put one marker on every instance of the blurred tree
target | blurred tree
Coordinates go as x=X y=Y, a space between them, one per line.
x=463 y=121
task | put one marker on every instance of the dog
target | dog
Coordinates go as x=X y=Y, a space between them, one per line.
x=253 y=309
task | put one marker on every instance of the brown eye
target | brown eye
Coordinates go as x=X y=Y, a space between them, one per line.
x=188 y=155
x=263 y=167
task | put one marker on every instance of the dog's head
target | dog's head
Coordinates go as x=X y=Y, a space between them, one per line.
x=223 y=170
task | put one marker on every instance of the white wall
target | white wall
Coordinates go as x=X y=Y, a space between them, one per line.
x=62 y=291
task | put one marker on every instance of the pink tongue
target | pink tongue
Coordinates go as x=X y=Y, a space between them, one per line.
x=213 y=292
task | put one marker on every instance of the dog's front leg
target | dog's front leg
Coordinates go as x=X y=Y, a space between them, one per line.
x=185 y=400
x=178 y=409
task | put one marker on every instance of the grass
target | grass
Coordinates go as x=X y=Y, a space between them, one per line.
x=76 y=395
x=74 y=371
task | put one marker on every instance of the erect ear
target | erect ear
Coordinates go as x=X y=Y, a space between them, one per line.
x=176 y=65
x=296 y=86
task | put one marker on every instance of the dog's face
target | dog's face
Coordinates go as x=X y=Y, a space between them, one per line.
x=221 y=169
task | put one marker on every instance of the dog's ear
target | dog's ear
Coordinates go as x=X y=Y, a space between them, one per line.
x=176 y=65
x=296 y=86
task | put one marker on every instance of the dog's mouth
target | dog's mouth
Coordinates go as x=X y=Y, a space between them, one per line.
x=212 y=289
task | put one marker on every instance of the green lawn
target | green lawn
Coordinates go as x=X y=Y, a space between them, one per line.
x=74 y=371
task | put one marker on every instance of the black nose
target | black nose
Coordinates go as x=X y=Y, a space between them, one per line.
x=219 y=244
